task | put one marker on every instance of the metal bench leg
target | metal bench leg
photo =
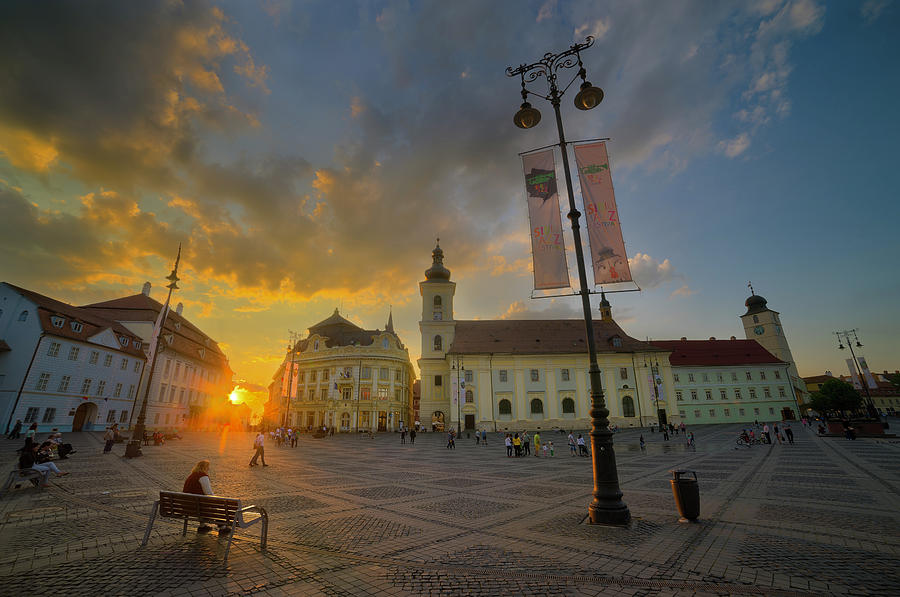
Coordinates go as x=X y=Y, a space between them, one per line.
x=184 y=530
x=230 y=536
x=150 y=524
x=264 y=535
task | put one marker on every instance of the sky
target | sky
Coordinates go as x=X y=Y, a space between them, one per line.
x=307 y=154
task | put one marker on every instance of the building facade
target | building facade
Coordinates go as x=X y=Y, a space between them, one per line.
x=764 y=325
x=509 y=375
x=191 y=373
x=64 y=367
x=884 y=394
x=346 y=378
x=729 y=381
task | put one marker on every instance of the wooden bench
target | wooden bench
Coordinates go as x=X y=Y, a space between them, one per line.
x=36 y=477
x=208 y=509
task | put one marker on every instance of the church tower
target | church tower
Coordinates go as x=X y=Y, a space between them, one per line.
x=763 y=325
x=437 y=328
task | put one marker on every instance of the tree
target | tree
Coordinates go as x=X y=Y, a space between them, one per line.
x=894 y=378
x=835 y=395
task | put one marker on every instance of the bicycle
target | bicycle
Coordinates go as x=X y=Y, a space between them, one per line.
x=747 y=441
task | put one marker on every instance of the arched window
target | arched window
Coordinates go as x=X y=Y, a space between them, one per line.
x=755 y=319
x=505 y=407
x=470 y=397
x=568 y=406
x=345 y=420
x=437 y=301
x=23 y=315
x=438 y=343
x=537 y=407
x=627 y=407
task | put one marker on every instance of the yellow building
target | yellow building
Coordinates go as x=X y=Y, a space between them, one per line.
x=512 y=374
x=345 y=377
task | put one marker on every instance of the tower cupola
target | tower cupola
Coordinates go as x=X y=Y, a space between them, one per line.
x=437 y=271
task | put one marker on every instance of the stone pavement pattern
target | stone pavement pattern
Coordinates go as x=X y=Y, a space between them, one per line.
x=355 y=516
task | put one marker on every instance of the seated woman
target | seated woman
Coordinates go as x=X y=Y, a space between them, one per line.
x=29 y=458
x=198 y=482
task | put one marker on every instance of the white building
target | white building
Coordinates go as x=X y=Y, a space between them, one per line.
x=63 y=366
x=191 y=372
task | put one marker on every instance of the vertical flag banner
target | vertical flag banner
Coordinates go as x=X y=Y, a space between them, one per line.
x=853 y=376
x=870 y=379
x=547 y=245
x=604 y=231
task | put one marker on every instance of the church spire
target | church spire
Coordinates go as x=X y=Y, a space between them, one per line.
x=390 y=324
x=605 y=308
x=437 y=271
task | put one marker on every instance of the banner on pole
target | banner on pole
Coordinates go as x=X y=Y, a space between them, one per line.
x=870 y=379
x=608 y=256
x=547 y=245
x=853 y=376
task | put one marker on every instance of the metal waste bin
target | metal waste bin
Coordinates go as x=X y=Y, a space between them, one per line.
x=687 y=495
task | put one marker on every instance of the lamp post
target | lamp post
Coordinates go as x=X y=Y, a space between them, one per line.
x=607 y=506
x=292 y=348
x=844 y=336
x=133 y=449
x=654 y=372
x=460 y=370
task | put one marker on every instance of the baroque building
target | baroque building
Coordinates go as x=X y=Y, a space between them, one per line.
x=344 y=377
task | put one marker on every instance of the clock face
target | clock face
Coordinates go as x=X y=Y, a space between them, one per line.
x=759 y=330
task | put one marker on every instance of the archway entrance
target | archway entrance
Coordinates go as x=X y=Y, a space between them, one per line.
x=84 y=417
x=382 y=421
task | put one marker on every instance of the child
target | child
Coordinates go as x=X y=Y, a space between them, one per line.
x=546 y=449
x=551 y=450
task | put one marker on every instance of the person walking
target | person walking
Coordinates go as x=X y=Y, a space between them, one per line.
x=777 y=432
x=683 y=427
x=789 y=433
x=484 y=437
x=526 y=444
x=643 y=444
x=665 y=430
x=198 y=483
x=412 y=436
x=509 y=447
x=571 y=441
x=582 y=448
x=537 y=443
x=551 y=449
x=403 y=436
x=260 y=445
x=16 y=430
x=766 y=433
x=477 y=438
x=32 y=430
x=110 y=437
x=451 y=444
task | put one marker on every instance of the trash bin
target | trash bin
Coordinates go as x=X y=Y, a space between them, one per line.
x=687 y=495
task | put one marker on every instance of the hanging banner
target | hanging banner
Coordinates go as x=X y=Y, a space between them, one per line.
x=870 y=379
x=853 y=376
x=547 y=244
x=604 y=231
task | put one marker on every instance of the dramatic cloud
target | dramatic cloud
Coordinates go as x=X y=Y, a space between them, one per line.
x=649 y=273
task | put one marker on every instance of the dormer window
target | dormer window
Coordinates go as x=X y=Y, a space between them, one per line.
x=57 y=321
x=76 y=327
x=23 y=316
x=202 y=353
x=177 y=325
x=385 y=343
x=206 y=342
x=316 y=345
x=170 y=338
x=137 y=344
x=123 y=340
x=616 y=341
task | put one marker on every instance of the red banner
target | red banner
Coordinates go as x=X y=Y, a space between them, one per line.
x=604 y=230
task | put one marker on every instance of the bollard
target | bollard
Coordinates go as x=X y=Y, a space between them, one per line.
x=687 y=495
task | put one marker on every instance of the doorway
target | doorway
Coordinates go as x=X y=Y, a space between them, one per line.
x=470 y=422
x=84 y=417
x=382 y=421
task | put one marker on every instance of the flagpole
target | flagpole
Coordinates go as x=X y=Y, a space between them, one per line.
x=133 y=449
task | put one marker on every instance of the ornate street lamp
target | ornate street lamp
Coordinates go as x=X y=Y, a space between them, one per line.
x=133 y=448
x=607 y=506
x=844 y=335
x=293 y=338
x=460 y=370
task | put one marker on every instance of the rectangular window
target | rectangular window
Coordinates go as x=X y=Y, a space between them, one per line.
x=469 y=375
x=741 y=411
x=156 y=419
x=778 y=375
x=131 y=391
x=709 y=394
x=366 y=374
x=123 y=418
x=690 y=377
x=137 y=366
x=181 y=396
x=623 y=372
x=712 y=413
x=781 y=393
x=31 y=414
x=535 y=375
x=325 y=374
x=681 y=414
x=565 y=374
x=86 y=386
x=311 y=395
x=727 y=412
x=111 y=416
x=705 y=377
x=323 y=394
x=678 y=396
x=64 y=383
x=733 y=376
x=503 y=375
x=95 y=356
x=397 y=395
x=313 y=376
x=382 y=393
x=124 y=364
x=767 y=393
x=118 y=391
x=384 y=374
x=345 y=393
x=749 y=376
x=697 y=414
x=167 y=418
x=53 y=351
x=752 y=393
x=756 y=411
x=719 y=377
x=762 y=375
x=73 y=353
x=49 y=415
x=723 y=394
x=365 y=394
x=302 y=376
x=437 y=381
x=693 y=394
x=107 y=360
x=101 y=387
x=171 y=394
x=177 y=369
x=42 y=382
x=771 y=411
x=166 y=367
x=737 y=393
x=675 y=376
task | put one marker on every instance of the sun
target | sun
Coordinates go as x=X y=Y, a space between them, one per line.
x=235 y=397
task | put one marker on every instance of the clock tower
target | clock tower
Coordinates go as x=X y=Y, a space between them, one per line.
x=437 y=328
x=763 y=325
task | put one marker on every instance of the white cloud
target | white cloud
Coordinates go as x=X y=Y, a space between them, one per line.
x=597 y=29
x=684 y=290
x=735 y=147
x=546 y=10
x=872 y=9
x=648 y=272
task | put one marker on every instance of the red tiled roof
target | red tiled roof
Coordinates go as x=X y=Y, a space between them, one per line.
x=92 y=323
x=540 y=336
x=711 y=353
x=188 y=340
x=818 y=378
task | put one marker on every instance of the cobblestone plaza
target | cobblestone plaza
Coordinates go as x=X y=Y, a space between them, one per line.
x=358 y=516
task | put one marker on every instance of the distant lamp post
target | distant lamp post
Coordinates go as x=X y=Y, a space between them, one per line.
x=133 y=448
x=460 y=384
x=844 y=336
x=654 y=372
x=607 y=506
x=293 y=337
